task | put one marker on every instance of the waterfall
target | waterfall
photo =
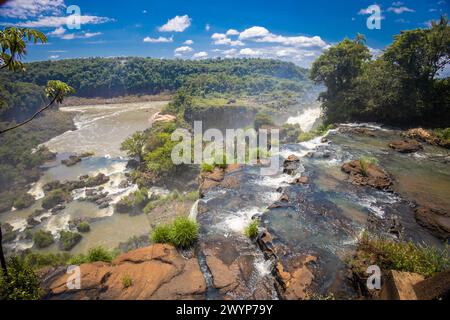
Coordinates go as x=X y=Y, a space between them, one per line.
x=193 y=211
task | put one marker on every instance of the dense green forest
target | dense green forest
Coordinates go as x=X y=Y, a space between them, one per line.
x=21 y=92
x=402 y=87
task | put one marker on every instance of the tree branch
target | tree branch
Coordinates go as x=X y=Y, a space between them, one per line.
x=31 y=118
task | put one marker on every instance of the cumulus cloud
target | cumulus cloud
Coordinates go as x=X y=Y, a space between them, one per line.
x=57 y=32
x=248 y=52
x=207 y=27
x=176 y=24
x=183 y=49
x=222 y=39
x=55 y=56
x=31 y=8
x=188 y=42
x=200 y=55
x=158 y=40
x=261 y=34
x=83 y=35
x=232 y=32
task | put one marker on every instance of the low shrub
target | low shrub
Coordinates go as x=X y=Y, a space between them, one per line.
x=402 y=256
x=206 y=167
x=182 y=233
x=43 y=239
x=21 y=283
x=252 y=229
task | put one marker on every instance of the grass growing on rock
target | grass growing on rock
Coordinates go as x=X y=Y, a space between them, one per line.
x=182 y=233
x=320 y=131
x=127 y=281
x=402 y=256
x=172 y=196
x=365 y=162
x=251 y=230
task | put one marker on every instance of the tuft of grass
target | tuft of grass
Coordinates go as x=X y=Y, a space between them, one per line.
x=94 y=254
x=127 y=281
x=161 y=234
x=182 y=233
x=365 y=162
x=319 y=131
x=252 y=230
x=402 y=256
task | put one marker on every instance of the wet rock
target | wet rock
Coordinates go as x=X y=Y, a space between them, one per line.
x=265 y=243
x=230 y=182
x=68 y=240
x=71 y=161
x=84 y=177
x=291 y=164
x=284 y=198
x=32 y=222
x=300 y=180
x=157 y=272
x=434 y=219
x=399 y=285
x=436 y=287
x=372 y=176
x=279 y=189
x=58 y=208
x=209 y=180
x=124 y=184
x=406 y=146
x=296 y=278
x=6 y=227
x=97 y=180
x=421 y=134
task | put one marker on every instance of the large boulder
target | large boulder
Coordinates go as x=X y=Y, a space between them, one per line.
x=405 y=146
x=434 y=219
x=372 y=176
x=157 y=272
x=398 y=285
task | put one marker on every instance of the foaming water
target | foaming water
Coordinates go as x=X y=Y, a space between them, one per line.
x=307 y=118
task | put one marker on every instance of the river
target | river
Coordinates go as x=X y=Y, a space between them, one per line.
x=100 y=129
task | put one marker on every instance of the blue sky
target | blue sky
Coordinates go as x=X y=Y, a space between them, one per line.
x=295 y=31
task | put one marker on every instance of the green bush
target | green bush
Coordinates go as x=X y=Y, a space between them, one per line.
x=54 y=198
x=21 y=283
x=38 y=260
x=403 y=256
x=184 y=232
x=94 y=254
x=181 y=233
x=68 y=240
x=161 y=234
x=43 y=239
x=84 y=227
x=305 y=136
x=252 y=230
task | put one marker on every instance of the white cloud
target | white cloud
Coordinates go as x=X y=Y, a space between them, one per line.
x=397 y=3
x=57 y=32
x=261 y=34
x=188 y=42
x=207 y=27
x=183 y=49
x=158 y=40
x=200 y=55
x=400 y=10
x=84 y=35
x=253 y=32
x=222 y=39
x=248 y=52
x=176 y=24
x=232 y=32
x=144 y=11
x=58 y=21
x=31 y=8
x=55 y=56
